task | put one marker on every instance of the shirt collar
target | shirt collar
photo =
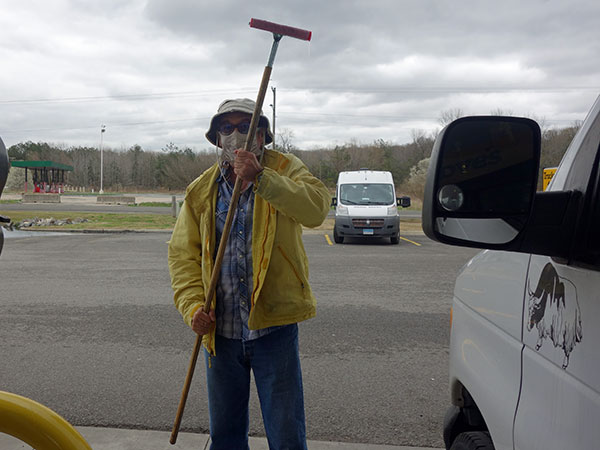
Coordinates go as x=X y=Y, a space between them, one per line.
x=224 y=174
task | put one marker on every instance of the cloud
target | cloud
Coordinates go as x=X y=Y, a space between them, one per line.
x=155 y=71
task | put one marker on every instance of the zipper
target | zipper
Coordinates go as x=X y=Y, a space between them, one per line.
x=292 y=266
x=262 y=256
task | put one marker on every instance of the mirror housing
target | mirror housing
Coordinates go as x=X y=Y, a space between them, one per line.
x=482 y=181
x=3 y=176
x=333 y=201
x=403 y=202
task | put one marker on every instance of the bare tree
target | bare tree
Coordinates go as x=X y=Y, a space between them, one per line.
x=284 y=137
x=501 y=112
x=542 y=122
x=422 y=143
x=450 y=115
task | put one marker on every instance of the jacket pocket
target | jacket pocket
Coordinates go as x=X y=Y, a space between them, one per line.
x=292 y=266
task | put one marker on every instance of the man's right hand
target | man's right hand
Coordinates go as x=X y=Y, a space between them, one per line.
x=202 y=322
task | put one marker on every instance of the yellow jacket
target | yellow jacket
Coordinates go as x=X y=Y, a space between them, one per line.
x=287 y=197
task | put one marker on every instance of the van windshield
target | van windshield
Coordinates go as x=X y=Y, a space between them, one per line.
x=367 y=194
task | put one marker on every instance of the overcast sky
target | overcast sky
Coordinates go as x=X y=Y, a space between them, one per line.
x=155 y=71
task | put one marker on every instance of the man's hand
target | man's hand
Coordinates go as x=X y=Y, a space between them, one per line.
x=246 y=165
x=202 y=322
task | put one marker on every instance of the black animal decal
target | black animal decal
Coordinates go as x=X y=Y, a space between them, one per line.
x=554 y=311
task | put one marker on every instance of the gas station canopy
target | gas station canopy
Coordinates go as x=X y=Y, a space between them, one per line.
x=41 y=164
x=48 y=176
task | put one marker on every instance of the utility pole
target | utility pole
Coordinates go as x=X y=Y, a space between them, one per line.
x=274 y=89
x=102 y=130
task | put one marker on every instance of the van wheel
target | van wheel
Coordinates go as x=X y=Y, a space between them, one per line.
x=338 y=239
x=473 y=440
x=395 y=239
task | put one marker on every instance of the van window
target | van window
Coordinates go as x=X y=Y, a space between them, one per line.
x=367 y=194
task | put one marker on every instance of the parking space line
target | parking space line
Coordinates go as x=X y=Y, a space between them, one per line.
x=328 y=240
x=412 y=242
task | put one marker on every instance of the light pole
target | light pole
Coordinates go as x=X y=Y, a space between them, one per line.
x=102 y=130
x=273 y=88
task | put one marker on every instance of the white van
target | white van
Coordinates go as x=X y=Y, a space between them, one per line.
x=525 y=345
x=366 y=206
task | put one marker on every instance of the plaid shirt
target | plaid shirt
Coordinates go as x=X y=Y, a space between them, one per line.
x=234 y=288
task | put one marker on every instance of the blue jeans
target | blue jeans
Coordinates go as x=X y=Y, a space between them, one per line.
x=275 y=361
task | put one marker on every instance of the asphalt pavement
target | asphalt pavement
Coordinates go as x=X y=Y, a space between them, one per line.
x=106 y=438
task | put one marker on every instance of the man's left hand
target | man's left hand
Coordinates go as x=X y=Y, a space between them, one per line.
x=246 y=165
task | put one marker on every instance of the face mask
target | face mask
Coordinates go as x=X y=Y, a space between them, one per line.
x=233 y=142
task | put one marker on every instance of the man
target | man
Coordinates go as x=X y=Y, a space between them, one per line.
x=263 y=289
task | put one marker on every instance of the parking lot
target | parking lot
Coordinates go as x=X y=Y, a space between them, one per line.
x=89 y=329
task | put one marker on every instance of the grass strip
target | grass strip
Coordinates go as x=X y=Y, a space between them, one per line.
x=100 y=221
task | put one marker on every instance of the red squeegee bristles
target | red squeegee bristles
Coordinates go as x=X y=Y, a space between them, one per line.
x=284 y=30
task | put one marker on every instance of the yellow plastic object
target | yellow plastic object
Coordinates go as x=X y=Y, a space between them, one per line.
x=37 y=425
x=547 y=175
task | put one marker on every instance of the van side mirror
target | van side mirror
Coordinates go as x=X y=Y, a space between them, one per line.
x=482 y=181
x=403 y=202
x=333 y=201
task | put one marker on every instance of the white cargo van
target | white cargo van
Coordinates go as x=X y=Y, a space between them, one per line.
x=366 y=206
x=525 y=342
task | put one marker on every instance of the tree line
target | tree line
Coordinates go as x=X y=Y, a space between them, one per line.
x=172 y=168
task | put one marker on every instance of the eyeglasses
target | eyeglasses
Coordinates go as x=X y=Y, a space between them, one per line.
x=227 y=128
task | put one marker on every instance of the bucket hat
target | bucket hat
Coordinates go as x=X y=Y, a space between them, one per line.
x=243 y=105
